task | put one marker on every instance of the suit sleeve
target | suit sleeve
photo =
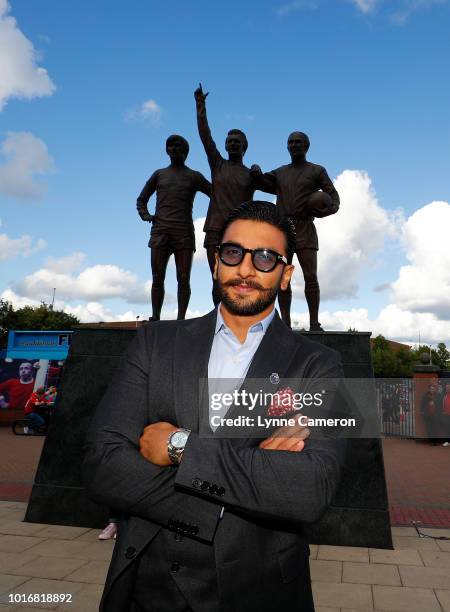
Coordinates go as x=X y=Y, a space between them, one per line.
x=117 y=475
x=294 y=486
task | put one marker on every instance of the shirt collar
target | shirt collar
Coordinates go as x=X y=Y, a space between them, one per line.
x=259 y=326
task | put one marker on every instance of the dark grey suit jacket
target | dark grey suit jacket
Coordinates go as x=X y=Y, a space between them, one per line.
x=261 y=554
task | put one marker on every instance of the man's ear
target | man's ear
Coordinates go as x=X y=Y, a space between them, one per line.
x=216 y=265
x=286 y=277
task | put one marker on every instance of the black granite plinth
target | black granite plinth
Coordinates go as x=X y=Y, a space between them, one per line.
x=359 y=513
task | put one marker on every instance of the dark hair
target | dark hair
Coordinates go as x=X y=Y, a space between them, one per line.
x=183 y=141
x=264 y=212
x=242 y=135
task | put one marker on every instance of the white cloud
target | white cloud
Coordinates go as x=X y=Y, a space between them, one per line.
x=190 y=314
x=200 y=251
x=366 y=6
x=420 y=296
x=16 y=300
x=296 y=5
x=93 y=312
x=69 y=263
x=392 y=322
x=15 y=247
x=350 y=239
x=90 y=312
x=92 y=284
x=148 y=111
x=407 y=7
x=25 y=158
x=423 y=285
x=151 y=110
x=399 y=10
x=21 y=77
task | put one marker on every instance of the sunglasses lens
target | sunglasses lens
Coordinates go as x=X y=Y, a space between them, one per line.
x=264 y=260
x=231 y=254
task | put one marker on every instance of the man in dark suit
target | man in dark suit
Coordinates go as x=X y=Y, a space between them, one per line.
x=215 y=523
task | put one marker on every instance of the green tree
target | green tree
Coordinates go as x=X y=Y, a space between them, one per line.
x=383 y=358
x=41 y=317
x=418 y=351
x=390 y=363
x=441 y=356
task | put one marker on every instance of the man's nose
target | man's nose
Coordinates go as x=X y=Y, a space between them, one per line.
x=246 y=267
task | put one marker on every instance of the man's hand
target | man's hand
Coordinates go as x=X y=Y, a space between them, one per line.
x=255 y=170
x=153 y=443
x=199 y=96
x=288 y=438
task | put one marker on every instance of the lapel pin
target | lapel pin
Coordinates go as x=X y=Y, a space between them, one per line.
x=274 y=378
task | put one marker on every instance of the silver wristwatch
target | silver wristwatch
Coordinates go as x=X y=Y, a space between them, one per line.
x=176 y=443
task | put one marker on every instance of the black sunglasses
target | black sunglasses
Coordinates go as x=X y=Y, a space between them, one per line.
x=264 y=260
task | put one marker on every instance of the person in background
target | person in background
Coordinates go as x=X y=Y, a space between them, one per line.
x=50 y=396
x=15 y=392
x=35 y=410
x=445 y=416
x=430 y=409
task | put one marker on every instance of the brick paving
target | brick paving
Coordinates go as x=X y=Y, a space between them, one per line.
x=414 y=577
x=418 y=482
x=19 y=458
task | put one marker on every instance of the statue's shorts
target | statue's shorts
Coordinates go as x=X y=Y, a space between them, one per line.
x=173 y=239
x=305 y=233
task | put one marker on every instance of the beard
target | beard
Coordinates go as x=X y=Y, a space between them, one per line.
x=245 y=306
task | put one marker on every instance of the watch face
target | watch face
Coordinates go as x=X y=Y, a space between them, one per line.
x=179 y=439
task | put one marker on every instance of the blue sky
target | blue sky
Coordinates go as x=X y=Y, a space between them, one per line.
x=366 y=79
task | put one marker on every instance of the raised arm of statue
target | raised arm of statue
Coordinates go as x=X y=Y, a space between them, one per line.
x=144 y=197
x=266 y=182
x=326 y=184
x=203 y=127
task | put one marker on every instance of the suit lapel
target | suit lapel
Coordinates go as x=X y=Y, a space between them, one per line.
x=191 y=355
x=275 y=353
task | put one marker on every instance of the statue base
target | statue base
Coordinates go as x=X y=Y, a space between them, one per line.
x=358 y=516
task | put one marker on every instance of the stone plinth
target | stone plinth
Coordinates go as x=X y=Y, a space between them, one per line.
x=358 y=515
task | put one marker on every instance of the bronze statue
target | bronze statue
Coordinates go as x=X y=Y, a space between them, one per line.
x=172 y=224
x=297 y=186
x=232 y=182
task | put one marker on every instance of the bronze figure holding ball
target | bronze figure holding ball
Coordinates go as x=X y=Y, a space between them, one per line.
x=304 y=191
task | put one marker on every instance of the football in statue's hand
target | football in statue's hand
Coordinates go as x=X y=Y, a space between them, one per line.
x=320 y=204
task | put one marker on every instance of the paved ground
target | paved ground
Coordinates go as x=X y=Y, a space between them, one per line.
x=415 y=577
x=50 y=559
x=19 y=458
x=418 y=482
